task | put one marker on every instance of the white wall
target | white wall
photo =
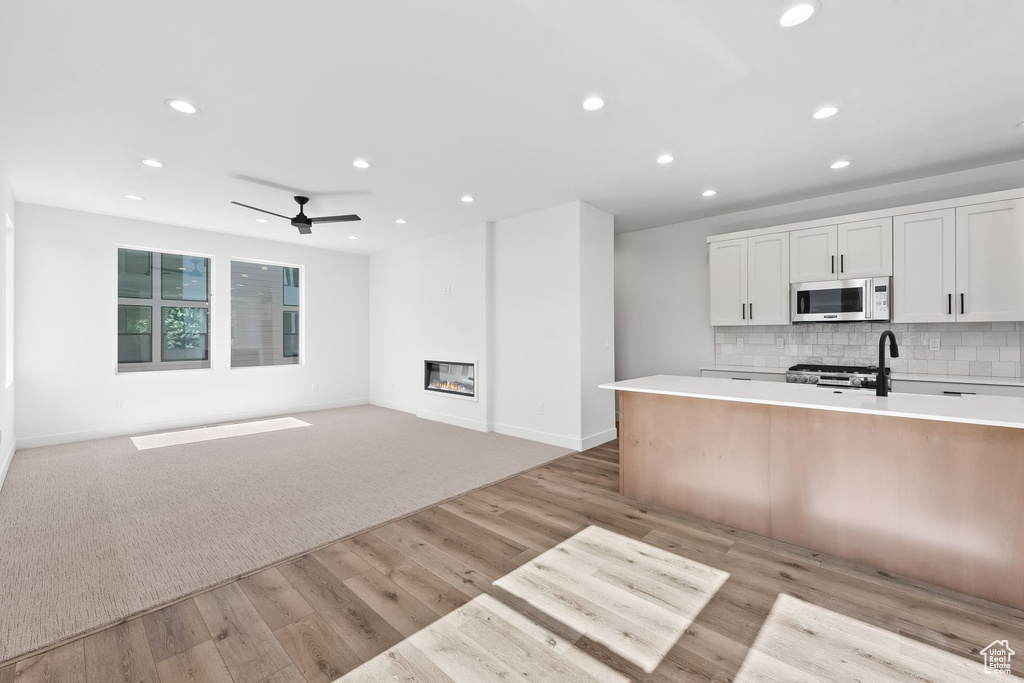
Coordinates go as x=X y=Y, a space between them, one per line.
x=537 y=324
x=530 y=298
x=661 y=274
x=7 y=434
x=428 y=299
x=66 y=290
x=597 y=324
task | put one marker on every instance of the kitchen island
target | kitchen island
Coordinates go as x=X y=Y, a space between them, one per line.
x=929 y=487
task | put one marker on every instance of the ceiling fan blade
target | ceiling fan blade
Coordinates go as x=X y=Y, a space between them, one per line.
x=336 y=219
x=304 y=230
x=262 y=210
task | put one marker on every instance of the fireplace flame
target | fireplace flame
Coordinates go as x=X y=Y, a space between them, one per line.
x=449 y=386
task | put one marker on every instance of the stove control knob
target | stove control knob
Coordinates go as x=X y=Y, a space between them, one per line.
x=791 y=378
x=857 y=381
x=801 y=378
x=813 y=379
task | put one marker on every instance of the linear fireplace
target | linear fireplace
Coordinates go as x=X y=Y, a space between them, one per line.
x=449 y=377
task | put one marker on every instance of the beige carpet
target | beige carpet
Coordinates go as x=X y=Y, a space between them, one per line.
x=93 y=532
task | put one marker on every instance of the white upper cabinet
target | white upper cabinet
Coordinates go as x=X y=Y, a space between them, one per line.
x=728 y=265
x=865 y=249
x=924 y=267
x=750 y=281
x=813 y=254
x=990 y=261
x=768 y=279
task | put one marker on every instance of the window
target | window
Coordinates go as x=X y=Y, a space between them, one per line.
x=173 y=287
x=265 y=306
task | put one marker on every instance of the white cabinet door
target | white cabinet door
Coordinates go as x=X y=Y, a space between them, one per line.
x=865 y=249
x=924 y=267
x=812 y=254
x=989 y=260
x=768 y=279
x=728 y=266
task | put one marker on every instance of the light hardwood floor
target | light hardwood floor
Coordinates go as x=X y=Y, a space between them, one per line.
x=549 y=576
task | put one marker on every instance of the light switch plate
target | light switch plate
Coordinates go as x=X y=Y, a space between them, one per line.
x=934 y=345
x=739 y=342
x=780 y=343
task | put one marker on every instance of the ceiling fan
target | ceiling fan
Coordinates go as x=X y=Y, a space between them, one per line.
x=303 y=222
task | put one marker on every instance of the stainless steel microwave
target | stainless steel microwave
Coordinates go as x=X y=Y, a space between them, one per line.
x=841 y=300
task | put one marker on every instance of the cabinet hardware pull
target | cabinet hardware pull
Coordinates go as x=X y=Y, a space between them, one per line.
x=961 y=303
x=833 y=263
x=842 y=263
x=751 y=310
x=950 y=303
x=744 y=311
x=959 y=393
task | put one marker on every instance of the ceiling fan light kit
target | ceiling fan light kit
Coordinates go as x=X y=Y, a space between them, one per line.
x=303 y=222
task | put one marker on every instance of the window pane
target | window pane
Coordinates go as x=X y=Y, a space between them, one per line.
x=183 y=277
x=291 y=286
x=185 y=333
x=134 y=334
x=259 y=327
x=134 y=274
x=291 y=334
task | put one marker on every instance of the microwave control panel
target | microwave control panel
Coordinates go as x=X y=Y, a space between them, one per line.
x=881 y=306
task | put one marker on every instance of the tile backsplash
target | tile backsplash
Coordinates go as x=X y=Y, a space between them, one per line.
x=969 y=349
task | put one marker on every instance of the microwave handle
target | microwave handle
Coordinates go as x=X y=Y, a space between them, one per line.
x=869 y=304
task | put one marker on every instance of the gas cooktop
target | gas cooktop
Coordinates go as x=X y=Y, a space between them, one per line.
x=851 y=376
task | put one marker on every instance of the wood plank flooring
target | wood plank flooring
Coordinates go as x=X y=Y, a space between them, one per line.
x=548 y=576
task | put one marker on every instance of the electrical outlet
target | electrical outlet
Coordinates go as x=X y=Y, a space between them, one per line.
x=118 y=404
x=607 y=342
x=447 y=289
x=780 y=343
x=739 y=342
x=933 y=345
x=540 y=408
x=316 y=387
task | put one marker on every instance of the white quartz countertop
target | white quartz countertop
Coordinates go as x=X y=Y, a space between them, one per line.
x=996 y=411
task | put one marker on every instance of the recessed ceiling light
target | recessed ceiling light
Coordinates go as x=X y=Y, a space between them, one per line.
x=798 y=13
x=153 y=163
x=842 y=163
x=352 y=237
x=467 y=199
x=593 y=103
x=264 y=267
x=361 y=163
x=245 y=274
x=183 y=106
x=134 y=197
x=708 y=193
x=825 y=112
x=666 y=159
x=400 y=221
x=261 y=220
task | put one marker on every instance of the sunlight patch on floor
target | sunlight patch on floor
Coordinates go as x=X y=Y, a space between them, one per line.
x=148 y=441
x=800 y=641
x=627 y=595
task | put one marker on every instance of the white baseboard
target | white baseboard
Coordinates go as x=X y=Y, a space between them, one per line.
x=69 y=437
x=6 y=459
x=393 y=405
x=452 y=420
x=542 y=437
x=600 y=438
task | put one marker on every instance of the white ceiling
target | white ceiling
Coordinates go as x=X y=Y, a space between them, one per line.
x=465 y=96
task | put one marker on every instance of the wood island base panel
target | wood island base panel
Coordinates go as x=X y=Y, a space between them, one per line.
x=938 y=501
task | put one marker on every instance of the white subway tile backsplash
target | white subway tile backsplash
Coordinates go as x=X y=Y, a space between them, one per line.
x=979 y=349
